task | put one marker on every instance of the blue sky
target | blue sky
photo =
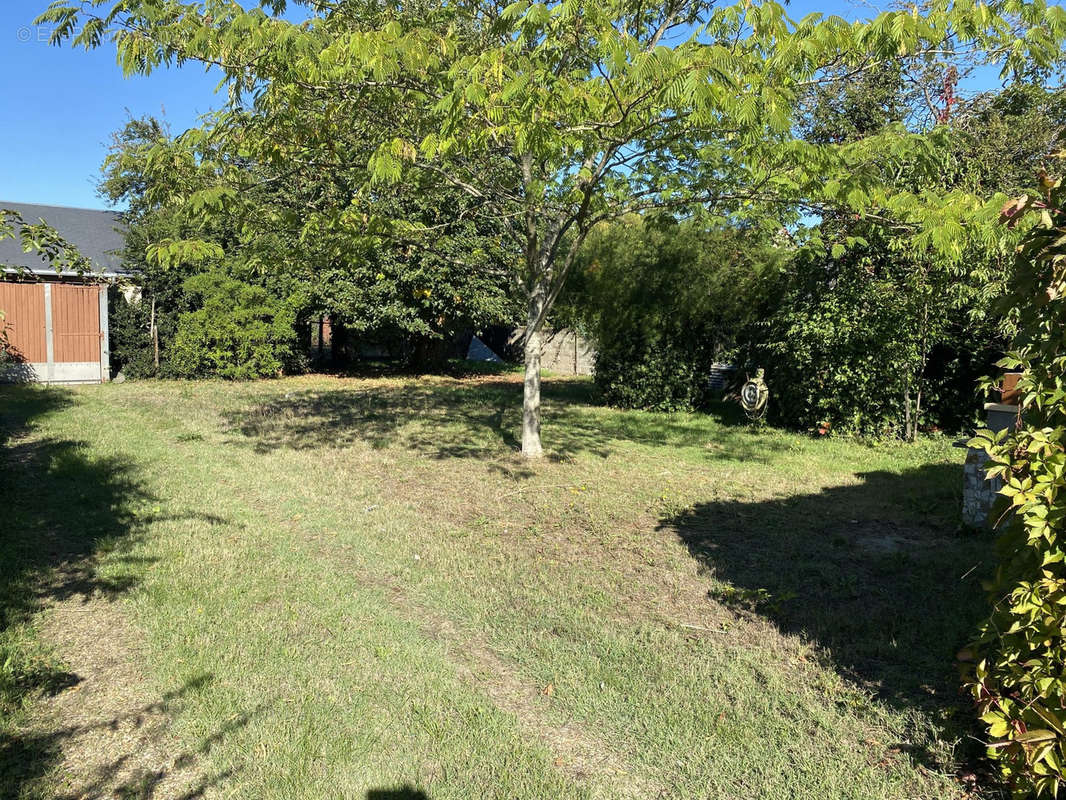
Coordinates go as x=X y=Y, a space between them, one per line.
x=61 y=105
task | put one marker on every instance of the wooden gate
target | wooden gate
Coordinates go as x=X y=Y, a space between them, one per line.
x=57 y=331
x=23 y=307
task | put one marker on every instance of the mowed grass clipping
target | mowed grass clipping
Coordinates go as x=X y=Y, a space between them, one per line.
x=359 y=589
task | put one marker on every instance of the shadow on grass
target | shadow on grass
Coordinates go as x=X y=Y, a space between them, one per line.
x=479 y=418
x=405 y=792
x=63 y=509
x=115 y=775
x=875 y=574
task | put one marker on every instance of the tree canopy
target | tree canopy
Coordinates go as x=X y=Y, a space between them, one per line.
x=553 y=117
x=415 y=297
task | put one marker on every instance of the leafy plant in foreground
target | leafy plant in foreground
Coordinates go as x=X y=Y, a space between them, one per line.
x=1017 y=669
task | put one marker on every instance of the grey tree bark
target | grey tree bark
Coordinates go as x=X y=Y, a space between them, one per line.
x=531 y=446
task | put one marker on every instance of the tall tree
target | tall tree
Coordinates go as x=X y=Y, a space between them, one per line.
x=553 y=117
x=414 y=297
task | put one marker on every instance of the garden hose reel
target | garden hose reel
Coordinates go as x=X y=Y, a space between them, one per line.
x=754 y=396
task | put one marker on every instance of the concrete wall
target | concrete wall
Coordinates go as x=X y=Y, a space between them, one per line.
x=565 y=352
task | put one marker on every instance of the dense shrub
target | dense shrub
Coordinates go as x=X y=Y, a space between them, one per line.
x=129 y=326
x=295 y=261
x=239 y=331
x=665 y=375
x=875 y=338
x=1017 y=667
x=662 y=301
x=868 y=338
x=832 y=348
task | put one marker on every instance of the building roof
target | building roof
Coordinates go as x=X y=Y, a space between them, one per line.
x=97 y=235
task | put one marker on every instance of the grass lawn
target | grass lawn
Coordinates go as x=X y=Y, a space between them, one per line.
x=354 y=588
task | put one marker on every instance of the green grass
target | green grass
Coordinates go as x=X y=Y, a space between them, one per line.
x=357 y=585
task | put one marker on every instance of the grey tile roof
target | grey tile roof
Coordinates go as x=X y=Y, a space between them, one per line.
x=95 y=233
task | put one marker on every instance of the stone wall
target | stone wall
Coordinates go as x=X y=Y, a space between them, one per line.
x=978 y=493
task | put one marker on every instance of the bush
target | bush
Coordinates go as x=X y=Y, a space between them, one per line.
x=865 y=338
x=1017 y=666
x=875 y=339
x=238 y=332
x=833 y=349
x=662 y=301
x=667 y=375
x=132 y=351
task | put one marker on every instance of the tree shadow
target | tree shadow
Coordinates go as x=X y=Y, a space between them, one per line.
x=877 y=575
x=405 y=792
x=117 y=775
x=476 y=418
x=64 y=509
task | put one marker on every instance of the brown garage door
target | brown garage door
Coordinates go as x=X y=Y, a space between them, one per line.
x=24 y=322
x=76 y=323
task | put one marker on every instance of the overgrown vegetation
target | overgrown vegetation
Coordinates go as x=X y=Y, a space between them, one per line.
x=240 y=304
x=873 y=328
x=550 y=119
x=863 y=322
x=1020 y=658
x=663 y=300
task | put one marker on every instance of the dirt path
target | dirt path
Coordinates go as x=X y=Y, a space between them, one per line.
x=108 y=735
x=578 y=752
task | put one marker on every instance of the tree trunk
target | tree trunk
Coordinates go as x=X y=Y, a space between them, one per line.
x=155 y=340
x=917 y=413
x=907 y=412
x=531 y=447
x=919 y=378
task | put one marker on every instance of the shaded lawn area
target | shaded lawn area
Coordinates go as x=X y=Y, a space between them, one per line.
x=666 y=606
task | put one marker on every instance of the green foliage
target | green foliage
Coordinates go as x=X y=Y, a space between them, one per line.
x=873 y=329
x=1003 y=137
x=552 y=118
x=656 y=375
x=837 y=349
x=873 y=339
x=147 y=171
x=415 y=290
x=1019 y=660
x=130 y=336
x=866 y=326
x=663 y=301
x=238 y=331
x=195 y=206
